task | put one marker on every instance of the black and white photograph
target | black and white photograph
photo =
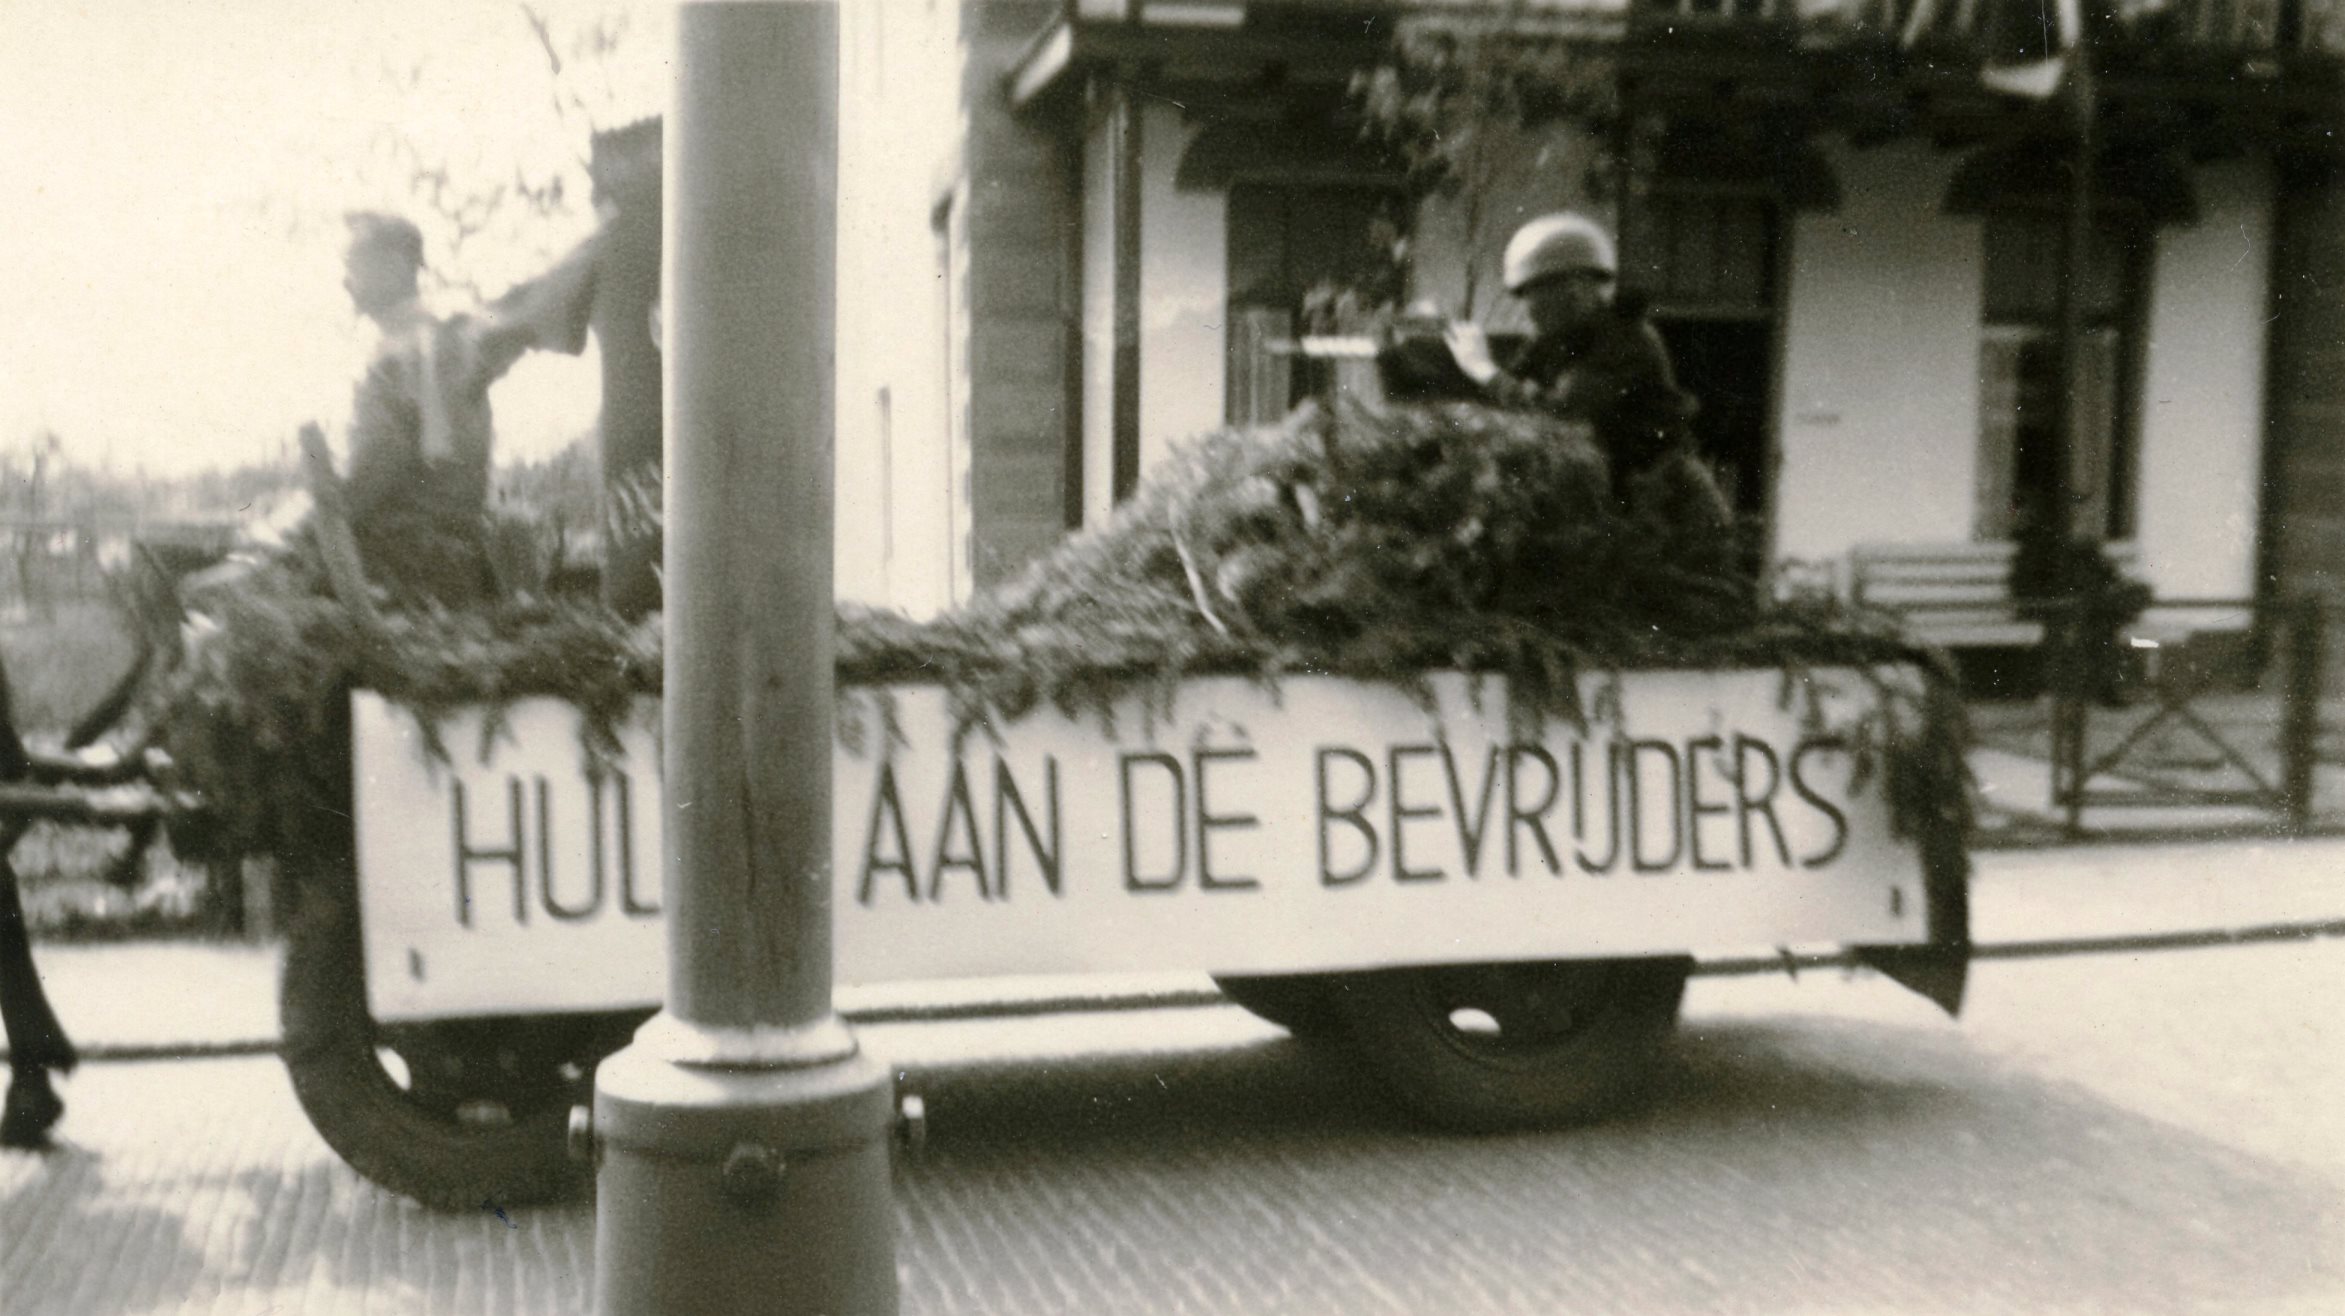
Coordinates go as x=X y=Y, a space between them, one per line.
x=1252 y=657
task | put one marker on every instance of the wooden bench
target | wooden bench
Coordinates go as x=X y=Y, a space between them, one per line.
x=1957 y=596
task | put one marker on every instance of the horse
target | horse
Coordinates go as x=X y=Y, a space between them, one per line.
x=38 y=1048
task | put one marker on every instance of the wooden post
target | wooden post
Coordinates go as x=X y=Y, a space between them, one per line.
x=330 y=521
x=2076 y=254
x=626 y=172
x=2300 y=726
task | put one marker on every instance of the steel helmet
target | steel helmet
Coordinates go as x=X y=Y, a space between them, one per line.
x=1560 y=243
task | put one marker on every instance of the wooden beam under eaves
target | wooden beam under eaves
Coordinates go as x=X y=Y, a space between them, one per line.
x=1319 y=54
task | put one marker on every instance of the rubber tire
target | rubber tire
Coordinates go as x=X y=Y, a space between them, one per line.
x=364 y=1115
x=1398 y=1024
x=1297 y=1002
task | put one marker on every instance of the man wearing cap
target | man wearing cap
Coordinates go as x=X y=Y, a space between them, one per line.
x=1597 y=361
x=420 y=426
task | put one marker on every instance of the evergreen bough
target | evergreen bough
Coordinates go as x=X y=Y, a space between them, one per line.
x=1375 y=544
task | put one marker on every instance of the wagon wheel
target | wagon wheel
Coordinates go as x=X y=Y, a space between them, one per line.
x=454 y=1115
x=1297 y=1002
x=1510 y=1046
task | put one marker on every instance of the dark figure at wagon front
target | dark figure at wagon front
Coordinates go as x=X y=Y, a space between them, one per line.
x=37 y=1045
x=416 y=498
x=104 y=750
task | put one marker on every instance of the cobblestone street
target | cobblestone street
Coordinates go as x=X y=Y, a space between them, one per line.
x=2116 y=1132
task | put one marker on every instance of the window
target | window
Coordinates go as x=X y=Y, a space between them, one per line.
x=1285 y=240
x=2019 y=389
x=1703 y=255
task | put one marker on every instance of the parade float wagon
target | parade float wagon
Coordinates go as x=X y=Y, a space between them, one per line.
x=1393 y=723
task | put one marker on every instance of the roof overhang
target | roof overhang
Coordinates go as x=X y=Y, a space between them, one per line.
x=1674 y=58
x=1295 y=42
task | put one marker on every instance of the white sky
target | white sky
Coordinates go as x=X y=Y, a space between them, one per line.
x=172 y=177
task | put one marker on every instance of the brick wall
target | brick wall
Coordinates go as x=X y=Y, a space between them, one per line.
x=1019 y=177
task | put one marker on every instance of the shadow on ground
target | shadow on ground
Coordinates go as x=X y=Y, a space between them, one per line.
x=1804 y=1164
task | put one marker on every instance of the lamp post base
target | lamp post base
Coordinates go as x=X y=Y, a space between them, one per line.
x=728 y=1188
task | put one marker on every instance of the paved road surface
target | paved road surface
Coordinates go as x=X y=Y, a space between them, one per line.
x=2154 y=1133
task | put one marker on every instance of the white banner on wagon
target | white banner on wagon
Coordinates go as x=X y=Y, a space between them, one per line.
x=1322 y=825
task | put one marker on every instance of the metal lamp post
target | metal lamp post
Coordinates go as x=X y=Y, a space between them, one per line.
x=742 y=1139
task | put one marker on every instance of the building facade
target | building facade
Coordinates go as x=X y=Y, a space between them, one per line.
x=1853 y=246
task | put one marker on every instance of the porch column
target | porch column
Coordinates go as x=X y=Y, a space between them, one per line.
x=2076 y=250
x=1125 y=117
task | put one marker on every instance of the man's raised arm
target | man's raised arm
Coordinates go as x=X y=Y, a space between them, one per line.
x=548 y=313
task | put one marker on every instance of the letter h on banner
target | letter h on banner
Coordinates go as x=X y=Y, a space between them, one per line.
x=467 y=855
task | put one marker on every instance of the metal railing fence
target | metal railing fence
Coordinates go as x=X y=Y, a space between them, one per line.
x=2267 y=760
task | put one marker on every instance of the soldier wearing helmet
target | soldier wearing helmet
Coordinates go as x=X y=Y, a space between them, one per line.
x=1594 y=358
